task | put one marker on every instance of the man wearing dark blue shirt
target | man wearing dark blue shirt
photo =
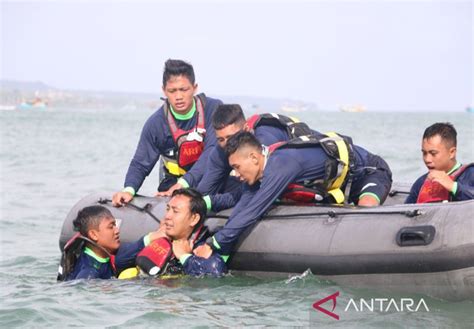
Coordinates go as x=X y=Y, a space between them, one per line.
x=184 y=227
x=103 y=256
x=180 y=132
x=267 y=176
x=229 y=119
x=447 y=179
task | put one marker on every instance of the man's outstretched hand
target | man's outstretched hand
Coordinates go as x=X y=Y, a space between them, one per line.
x=119 y=199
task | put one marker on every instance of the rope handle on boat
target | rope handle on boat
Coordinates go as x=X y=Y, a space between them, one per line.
x=392 y=193
x=145 y=209
x=334 y=214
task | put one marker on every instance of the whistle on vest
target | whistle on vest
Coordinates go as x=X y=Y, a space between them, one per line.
x=196 y=135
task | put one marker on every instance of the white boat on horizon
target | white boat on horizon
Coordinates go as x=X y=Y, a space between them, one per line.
x=353 y=108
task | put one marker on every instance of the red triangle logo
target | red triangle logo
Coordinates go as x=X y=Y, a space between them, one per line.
x=317 y=305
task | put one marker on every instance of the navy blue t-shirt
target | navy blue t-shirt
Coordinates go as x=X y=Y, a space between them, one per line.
x=284 y=166
x=90 y=266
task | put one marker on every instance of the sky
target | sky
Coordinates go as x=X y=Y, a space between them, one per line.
x=386 y=55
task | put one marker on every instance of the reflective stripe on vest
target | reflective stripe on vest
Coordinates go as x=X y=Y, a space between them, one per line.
x=187 y=151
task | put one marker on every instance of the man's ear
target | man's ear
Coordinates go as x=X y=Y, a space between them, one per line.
x=195 y=87
x=452 y=153
x=195 y=219
x=254 y=157
x=93 y=235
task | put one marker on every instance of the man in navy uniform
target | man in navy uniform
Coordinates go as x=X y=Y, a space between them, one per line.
x=180 y=132
x=267 y=174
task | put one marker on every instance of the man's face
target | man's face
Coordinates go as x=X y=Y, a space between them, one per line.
x=246 y=162
x=179 y=221
x=227 y=132
x=107 y=235
x=437 y=154
x=180 y=91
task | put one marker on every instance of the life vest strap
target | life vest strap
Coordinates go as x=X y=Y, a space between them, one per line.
x=343 y=161
x=172 y=161
x=337 y=168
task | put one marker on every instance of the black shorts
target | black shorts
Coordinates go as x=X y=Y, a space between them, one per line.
x=374 y=179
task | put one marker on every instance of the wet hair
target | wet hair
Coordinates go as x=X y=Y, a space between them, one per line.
x=89 y=218
x=197 y=205
x=226 y=115
x=240 y=140
x=445 y=130
x=175 y=67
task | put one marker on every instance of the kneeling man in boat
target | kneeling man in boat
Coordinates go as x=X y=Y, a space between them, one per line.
x=447 y=179
x=304 y=169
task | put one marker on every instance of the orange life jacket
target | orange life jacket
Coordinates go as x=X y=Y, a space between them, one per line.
x=432 y=191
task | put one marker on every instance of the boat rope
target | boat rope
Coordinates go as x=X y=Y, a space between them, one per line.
x=145 y=208
x=334 y=214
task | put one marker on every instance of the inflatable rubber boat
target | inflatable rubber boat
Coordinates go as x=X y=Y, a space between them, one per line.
x=418 y=248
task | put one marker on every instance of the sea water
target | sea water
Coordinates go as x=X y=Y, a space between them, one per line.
x=51 y=159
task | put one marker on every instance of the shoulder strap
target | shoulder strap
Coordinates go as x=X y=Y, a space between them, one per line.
x=200 y=105
x=338 y=148
x=293 y=126
x=462 y=169
x=253 y=121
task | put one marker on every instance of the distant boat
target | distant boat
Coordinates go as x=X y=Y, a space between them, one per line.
x=353 y=108
x=470 y=109
x=36 y=104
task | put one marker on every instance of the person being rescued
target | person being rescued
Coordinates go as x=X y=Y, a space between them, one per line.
x=184 y=230
x=447 y=179
x=179 y=133
x=95 y=251
x=227 y=120
x=314 y=164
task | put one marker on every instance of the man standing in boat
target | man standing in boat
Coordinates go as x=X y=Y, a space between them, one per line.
x=331 y=169
x=446 y=180
x=180 y=132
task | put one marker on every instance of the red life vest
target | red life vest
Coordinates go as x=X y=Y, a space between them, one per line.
x=293 y=126
x=189 y=143
x=155 y=258
x=432 y=191
x=337 y=171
